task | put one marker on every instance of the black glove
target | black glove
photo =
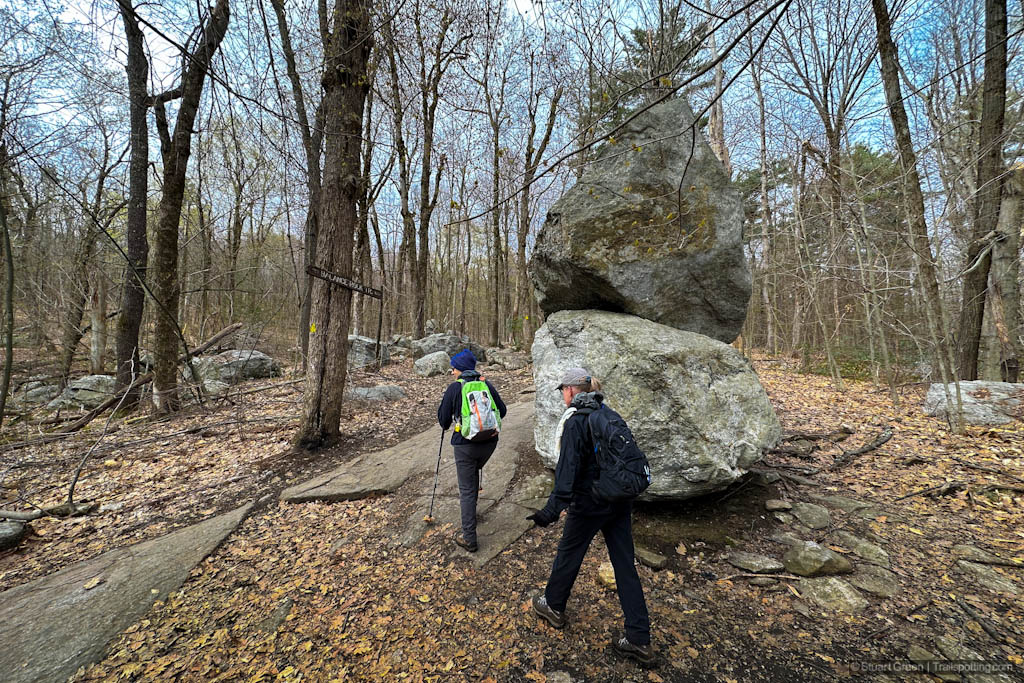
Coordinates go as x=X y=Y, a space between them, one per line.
x=540 y=518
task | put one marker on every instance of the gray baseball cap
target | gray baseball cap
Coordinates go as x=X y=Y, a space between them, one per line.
x=574 y=377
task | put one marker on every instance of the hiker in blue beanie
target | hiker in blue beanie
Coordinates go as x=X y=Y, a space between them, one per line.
x=470 y=455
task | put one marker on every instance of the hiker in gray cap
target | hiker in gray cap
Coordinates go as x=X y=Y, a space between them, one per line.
x=576 y=474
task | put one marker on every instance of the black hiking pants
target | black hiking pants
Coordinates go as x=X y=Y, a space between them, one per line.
x=470 y=458
x=585 y=518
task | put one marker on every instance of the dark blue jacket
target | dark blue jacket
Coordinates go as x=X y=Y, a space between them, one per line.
x=451 y=405
x=577 y=468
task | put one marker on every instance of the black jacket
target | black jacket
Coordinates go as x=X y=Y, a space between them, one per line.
x=577 y=467
x=451 y=405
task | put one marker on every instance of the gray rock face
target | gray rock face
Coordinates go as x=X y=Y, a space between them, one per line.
x=449 y=343
x=637 y=235
x=984 y=403
x=385 y=392
x=362 y=351
x=237 y=365
x=436 y=363
x=54 y=624
x=696 y=407
x=36 y=391
x=85 y=392
x=811 y=559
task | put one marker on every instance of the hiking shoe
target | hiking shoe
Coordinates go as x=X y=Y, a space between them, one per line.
x=468 y=547
x=545 y=611
x=641 y=653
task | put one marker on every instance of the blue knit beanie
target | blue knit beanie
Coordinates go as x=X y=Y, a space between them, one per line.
x=464 y=360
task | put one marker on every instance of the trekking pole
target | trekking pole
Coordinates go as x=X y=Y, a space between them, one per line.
x=429 y=519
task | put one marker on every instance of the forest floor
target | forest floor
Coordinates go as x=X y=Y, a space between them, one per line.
x=319 y=592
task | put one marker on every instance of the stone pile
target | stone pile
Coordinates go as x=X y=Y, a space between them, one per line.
x=640 y=270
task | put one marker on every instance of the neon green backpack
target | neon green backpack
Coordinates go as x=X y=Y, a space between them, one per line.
x=480 y=418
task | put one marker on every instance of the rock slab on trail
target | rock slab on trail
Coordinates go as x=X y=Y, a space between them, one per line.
x=55 y=624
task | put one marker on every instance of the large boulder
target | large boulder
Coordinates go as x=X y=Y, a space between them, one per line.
x=638 y=235
x=449 y=343
x=236 y=365
x=436 y=363
x=984 y=403
x=85 y=392
x=507 y=358
x=696 y=407
x=362 y=351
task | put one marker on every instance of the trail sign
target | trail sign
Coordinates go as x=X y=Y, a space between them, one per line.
x=342 y=281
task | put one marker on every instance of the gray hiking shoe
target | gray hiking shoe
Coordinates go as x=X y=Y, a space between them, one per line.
x=641 y=653
x=546 y=612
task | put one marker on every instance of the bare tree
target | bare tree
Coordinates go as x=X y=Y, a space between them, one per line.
x=990 y=184
x=175 y=149
x=348 y=40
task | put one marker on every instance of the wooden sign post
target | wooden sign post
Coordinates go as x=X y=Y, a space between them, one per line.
x=341 y=281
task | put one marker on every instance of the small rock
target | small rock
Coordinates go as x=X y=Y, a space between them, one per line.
x=833 y=594
x=802 y=608
x=606 y=575
x=972 y=554
x=919 y=655
x=558 y=677
x=754 y=563
x=814 y=516
x=763 y=581
x=766 y=478
x=773 y=504
x=650 y=558
x=11 y=534
x=953 y=648
x=869 y=552
x=876 y=580
x=111 y=507
x=277 y=617
x=989 y=577
x=811 y=559
x=784 y=517
x=786 y=538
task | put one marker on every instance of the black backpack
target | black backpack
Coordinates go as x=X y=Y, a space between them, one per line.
x=625 y=472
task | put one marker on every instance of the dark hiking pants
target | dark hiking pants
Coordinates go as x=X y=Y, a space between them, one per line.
x=470 y=458
x=585 y=518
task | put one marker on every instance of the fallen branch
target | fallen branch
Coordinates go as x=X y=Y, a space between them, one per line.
x=993 y=633
x=63 y=510
x=990 y=470
x=941 y=489
x=113 y=400
x=847 y=457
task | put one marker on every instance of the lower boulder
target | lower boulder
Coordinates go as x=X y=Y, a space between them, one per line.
x=694 y=404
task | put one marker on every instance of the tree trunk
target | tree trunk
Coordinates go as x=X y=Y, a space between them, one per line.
x=1003 y=281
x=5 y=381
x=176 y=149
x=990 y=186
x=136 y=241
x=345 y=84
x=928 y=278
x=98 y=320
x=311 y=142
